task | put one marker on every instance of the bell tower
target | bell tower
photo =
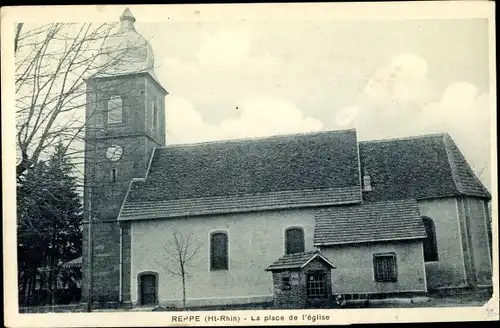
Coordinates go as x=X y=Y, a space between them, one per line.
x=125 y=121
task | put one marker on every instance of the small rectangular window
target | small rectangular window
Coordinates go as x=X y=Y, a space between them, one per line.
x=285 y=283
x=384 y=266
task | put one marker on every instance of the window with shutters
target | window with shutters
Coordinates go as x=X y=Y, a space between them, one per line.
x=218 y=251
x=294 y=240
x=115 y=110
x=430 y=244
x=384 y=267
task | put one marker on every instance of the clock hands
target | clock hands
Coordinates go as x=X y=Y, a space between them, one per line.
x=114 y=153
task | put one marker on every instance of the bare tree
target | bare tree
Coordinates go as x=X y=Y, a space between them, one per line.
x=181 y=250
x=52 y=65
x=19 y=27
x=53 y=62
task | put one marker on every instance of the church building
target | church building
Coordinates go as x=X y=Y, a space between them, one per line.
x=392 y=217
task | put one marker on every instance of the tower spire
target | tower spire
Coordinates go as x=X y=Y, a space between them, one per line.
x=127 y=21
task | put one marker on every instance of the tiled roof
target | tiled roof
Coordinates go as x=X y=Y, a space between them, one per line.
x=417 y=168
x=241 y=203
x=466 y=181
x=245 y=175
x=368 y=222
x=292 y=171
x=297 y=261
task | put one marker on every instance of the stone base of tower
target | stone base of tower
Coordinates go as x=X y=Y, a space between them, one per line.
x=107 y=239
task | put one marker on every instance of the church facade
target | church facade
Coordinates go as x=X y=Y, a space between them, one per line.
x=400 y=216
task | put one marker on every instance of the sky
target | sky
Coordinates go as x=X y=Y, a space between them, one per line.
x=247 y=72
x=386 y=78
x=238 y=73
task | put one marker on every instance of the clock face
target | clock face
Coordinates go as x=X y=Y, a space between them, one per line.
x=114 y=153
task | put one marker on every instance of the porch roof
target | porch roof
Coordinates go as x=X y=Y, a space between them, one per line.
x=369 y=222
x=298 y=261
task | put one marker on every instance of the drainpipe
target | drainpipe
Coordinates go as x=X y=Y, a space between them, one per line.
x=90 y=255
x=121 y=264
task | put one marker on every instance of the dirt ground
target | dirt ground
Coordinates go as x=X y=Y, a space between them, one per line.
x=449 y=301
x=434 y=301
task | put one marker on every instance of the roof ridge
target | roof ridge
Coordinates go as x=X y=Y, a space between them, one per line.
x=452 y=163
x=122 y=206
x=277 y=136
x=422 y=136
x=450 y=153
x=303 y=253
x=365 y=204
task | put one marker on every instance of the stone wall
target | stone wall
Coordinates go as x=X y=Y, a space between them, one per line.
x=105 y=269
x=106 y=182
x=295 y=297
x=292 y=298
x=126 y=253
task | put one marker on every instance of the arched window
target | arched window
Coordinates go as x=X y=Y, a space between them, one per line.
x=430 y=245
x=115 y=110
x=294 y=240
x=218 y=251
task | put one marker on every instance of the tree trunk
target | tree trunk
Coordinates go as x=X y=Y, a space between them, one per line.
x=33 y=284
x=22 y=292
x=28 y=288
x=52 y=276
x=183 y=291
x=18 y=32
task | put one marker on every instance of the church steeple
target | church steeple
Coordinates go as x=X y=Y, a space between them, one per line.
x=127 y=15
x=126 y=116
x=125 y=121
x=127 y=51
x=127 y=21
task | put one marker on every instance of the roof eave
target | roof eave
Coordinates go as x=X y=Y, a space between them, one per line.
x=282 y=268
x=114 y=76
x=249 y=210
x=367 y=241
x=321 y=257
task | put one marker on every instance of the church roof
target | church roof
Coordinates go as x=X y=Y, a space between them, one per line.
x=368 y=222
x=297 y=261
x=300 y=170
x=421 y=167
x=246 y=175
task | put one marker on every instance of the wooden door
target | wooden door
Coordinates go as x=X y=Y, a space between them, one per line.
x=316 y=285
x=148 y=289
